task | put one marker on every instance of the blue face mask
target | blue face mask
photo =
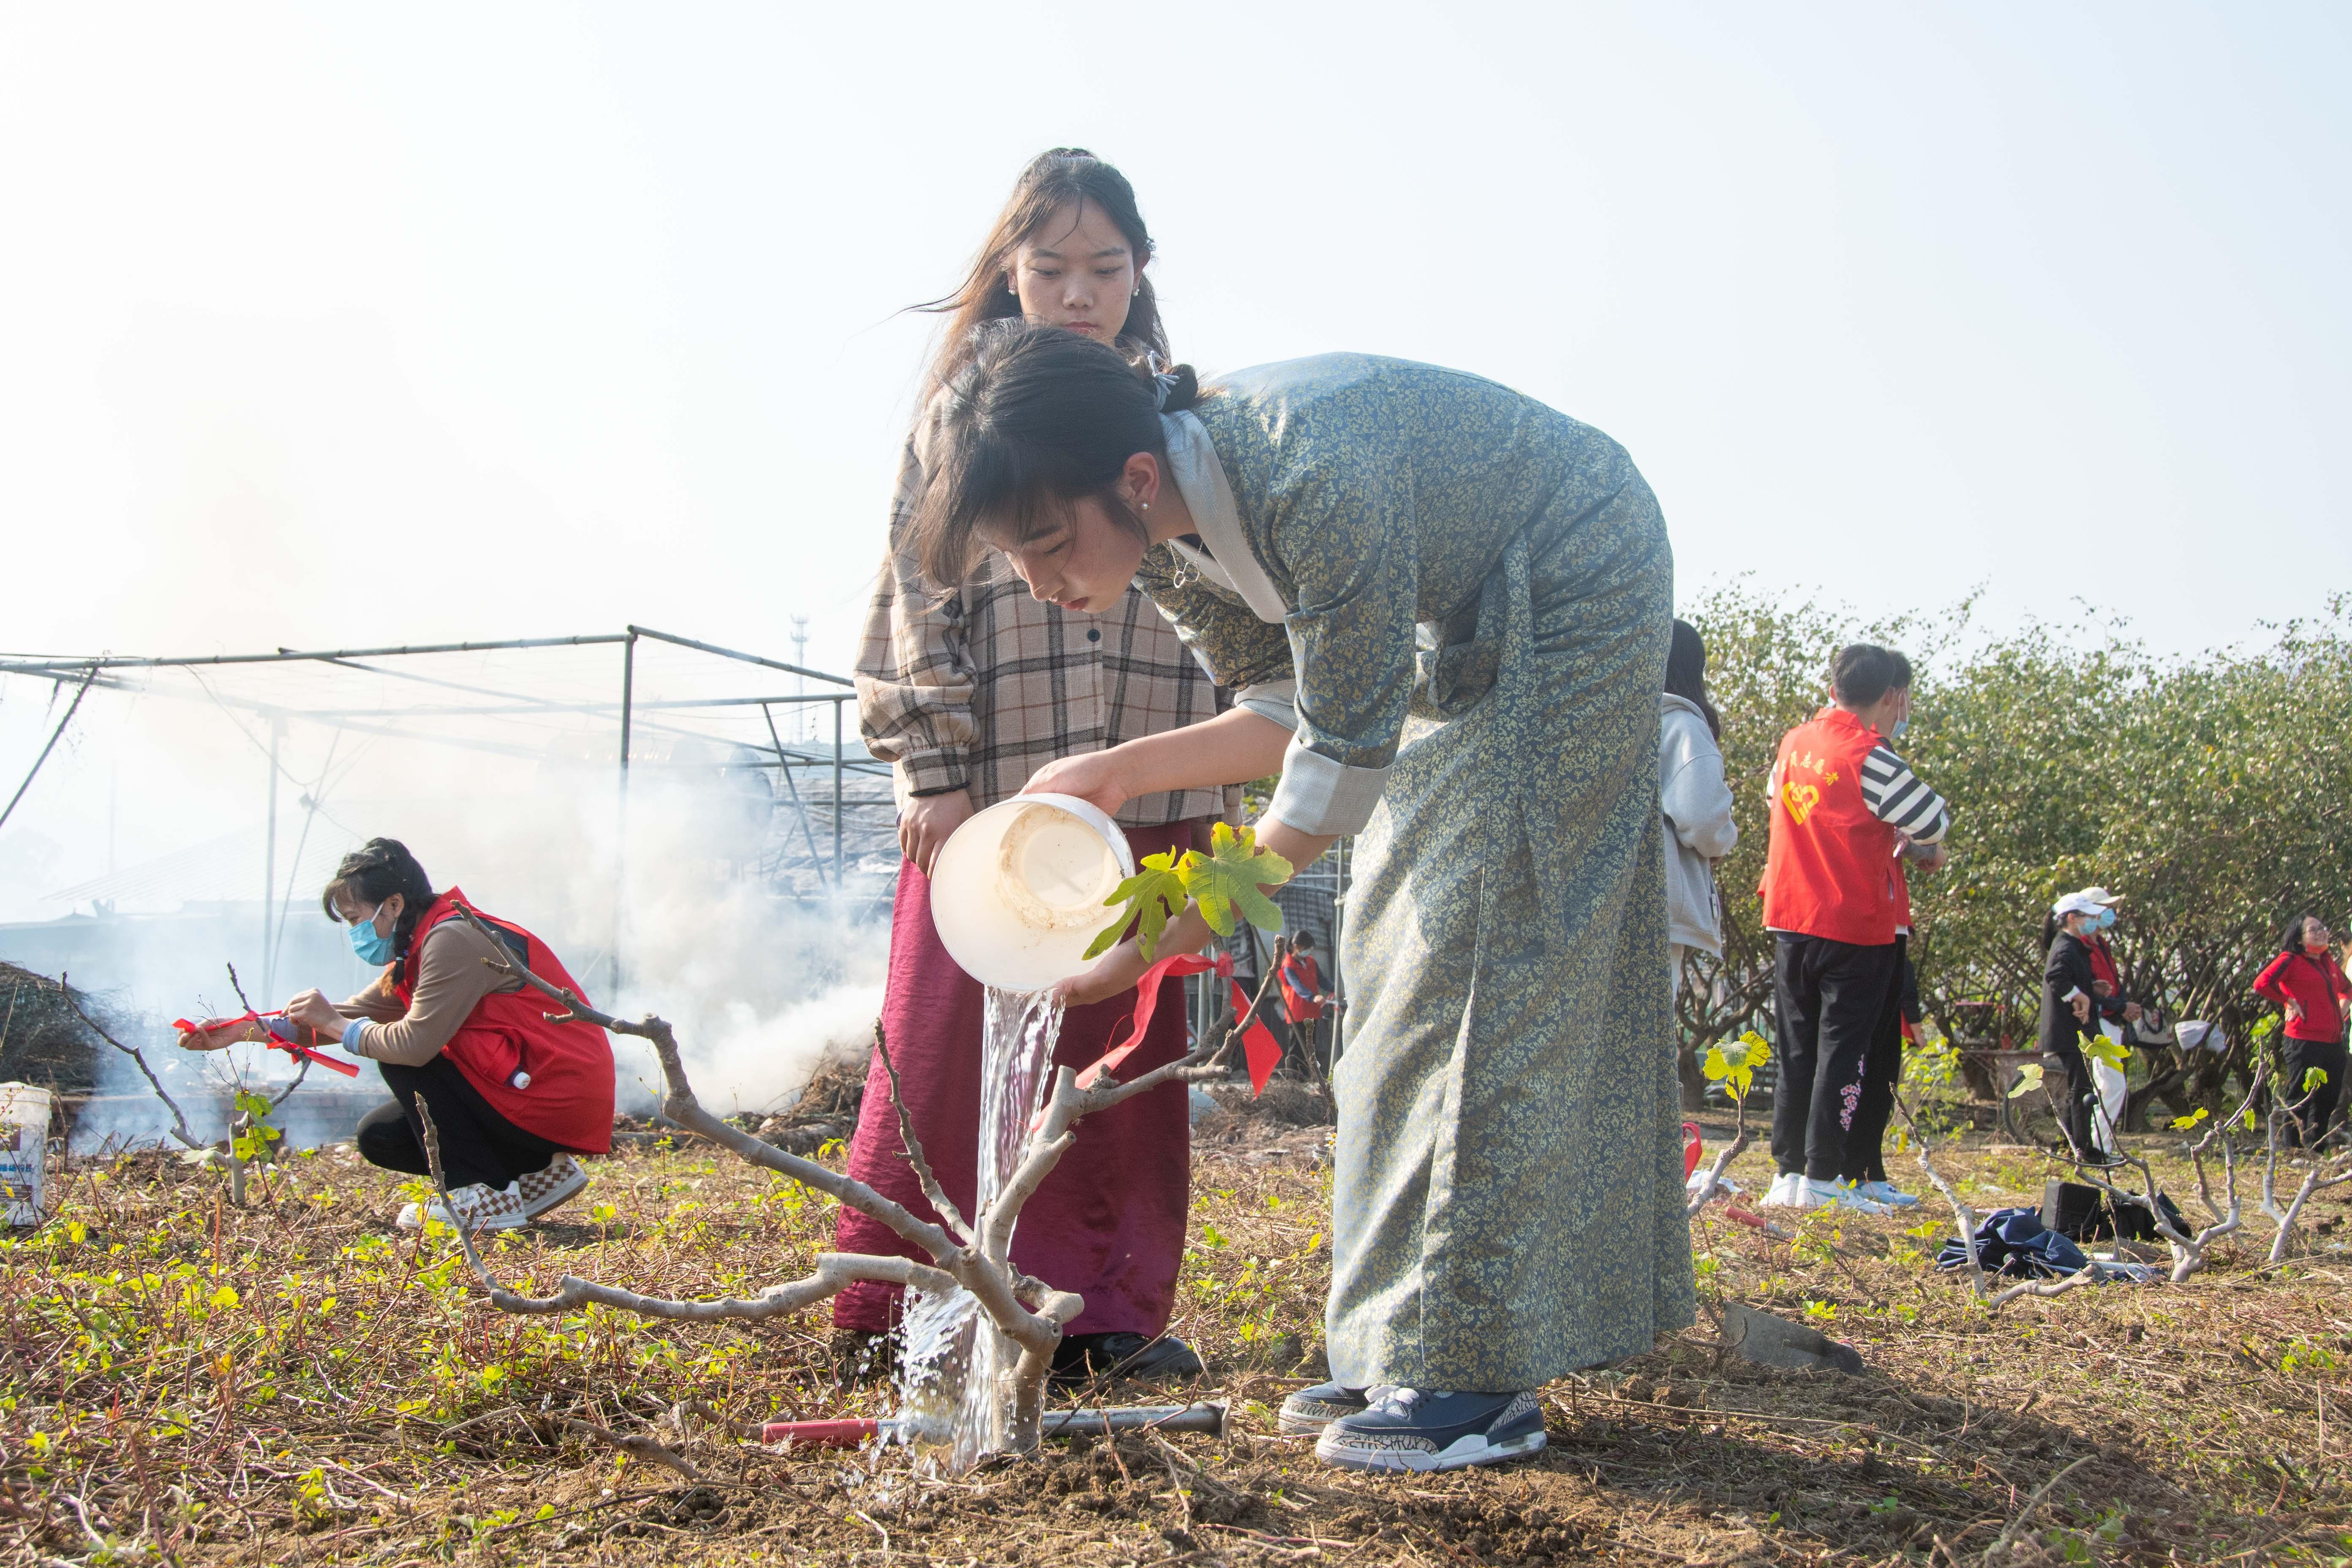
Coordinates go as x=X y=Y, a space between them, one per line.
x=1894 y=730
x=372 y=946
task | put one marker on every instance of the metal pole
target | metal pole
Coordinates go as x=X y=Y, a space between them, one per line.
x=68 y=666
x=836 y=790
x=730 y=653
x=621 y=834
x=800 y=809
x=270 y=867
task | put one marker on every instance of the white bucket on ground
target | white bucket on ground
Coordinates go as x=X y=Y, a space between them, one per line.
x=1017 y=892
x=23 y=1145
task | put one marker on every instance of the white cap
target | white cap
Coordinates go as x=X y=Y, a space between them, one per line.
x=2100 y=896
x=2081 y=903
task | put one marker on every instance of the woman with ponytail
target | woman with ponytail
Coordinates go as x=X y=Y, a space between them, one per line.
x=968 y=685
x=1446 y=609
x=513 y=1095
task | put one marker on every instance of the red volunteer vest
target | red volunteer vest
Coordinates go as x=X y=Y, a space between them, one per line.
x=565 y=1095
x=1298 y=1001
x=1830 y=868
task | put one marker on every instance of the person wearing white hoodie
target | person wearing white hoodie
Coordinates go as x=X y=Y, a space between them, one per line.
x=1697 y=801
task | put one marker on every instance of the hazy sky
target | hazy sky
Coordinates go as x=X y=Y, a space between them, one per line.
x=359 y=325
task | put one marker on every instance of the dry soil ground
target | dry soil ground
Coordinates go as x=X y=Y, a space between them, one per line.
x=298 y=1382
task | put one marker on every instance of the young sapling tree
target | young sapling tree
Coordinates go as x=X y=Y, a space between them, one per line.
x=974 y=1253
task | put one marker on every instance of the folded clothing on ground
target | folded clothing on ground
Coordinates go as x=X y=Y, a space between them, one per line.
x=2015 y=1242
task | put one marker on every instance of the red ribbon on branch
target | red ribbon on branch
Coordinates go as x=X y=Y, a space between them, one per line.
x=1174 y=966
x=276 y=1040
x=1257 y=1041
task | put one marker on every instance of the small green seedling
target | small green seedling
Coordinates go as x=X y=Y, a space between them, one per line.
x=1230 y=878
x=1736 y=1068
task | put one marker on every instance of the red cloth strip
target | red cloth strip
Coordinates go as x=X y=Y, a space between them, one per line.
x=276 y=1041
x=1257 y=1043
x=1175 y=966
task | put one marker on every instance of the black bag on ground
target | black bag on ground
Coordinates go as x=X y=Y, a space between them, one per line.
x=2077 y=1212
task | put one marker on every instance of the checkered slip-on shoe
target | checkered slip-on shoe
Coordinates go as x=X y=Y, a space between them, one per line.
x=477 y=1207
x=542 y=1190
x=1406 y=1429
x=1311 y=1410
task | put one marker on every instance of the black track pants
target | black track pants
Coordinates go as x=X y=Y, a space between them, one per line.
x=1882 y=1070
x=2319 y=1112
x=478 y=1144
x=1828 y=996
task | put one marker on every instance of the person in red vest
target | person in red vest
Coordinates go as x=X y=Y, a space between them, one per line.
x=513 y=1096
x=1303 y=996
x=1843 y=807
x=2310 y=987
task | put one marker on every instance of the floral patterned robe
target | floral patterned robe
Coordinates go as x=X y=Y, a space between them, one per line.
x=1460 y=601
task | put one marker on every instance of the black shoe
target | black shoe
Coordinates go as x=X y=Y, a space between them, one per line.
x=1081 y=1357
x=1405 y=1429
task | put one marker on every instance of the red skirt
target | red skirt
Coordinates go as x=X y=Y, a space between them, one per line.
x=1108 y=1222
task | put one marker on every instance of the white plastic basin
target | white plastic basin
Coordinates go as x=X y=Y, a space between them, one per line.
x=1017 y=892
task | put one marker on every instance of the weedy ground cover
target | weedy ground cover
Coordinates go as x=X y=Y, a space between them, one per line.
x=298 y=1382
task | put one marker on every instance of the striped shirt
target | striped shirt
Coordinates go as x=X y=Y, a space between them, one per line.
x=981 y=688
x=1899 y=798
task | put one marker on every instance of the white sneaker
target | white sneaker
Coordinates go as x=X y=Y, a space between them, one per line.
x=1787 y=1192
x=1887 y=1193
x=542 y=1190
x=478 y=1207
x=1836 y=1194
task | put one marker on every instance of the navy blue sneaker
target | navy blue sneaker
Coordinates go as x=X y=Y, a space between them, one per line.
x=1406 y=1429
x=1312 y=1409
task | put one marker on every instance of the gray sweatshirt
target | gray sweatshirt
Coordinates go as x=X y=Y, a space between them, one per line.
x=1699 y=829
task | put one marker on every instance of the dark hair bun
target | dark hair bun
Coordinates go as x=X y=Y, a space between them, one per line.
x=1181 y=389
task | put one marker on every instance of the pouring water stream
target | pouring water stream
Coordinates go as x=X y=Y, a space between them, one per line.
x=955 y=1365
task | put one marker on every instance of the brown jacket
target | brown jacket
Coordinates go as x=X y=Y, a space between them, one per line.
x=451 y=979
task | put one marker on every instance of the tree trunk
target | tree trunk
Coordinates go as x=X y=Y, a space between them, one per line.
x=1694 y=1081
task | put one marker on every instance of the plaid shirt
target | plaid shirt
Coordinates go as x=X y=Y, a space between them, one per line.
x=984 y=688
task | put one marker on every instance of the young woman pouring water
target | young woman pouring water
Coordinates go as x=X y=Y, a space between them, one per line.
x=967 y=692
x=1508 y=1205
x=513 y=1096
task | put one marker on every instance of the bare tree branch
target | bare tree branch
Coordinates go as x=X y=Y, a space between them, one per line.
x=635 y=1447
x=2188 y=1251
x=932 y=1192
x=974 y=1256
x=836 y=1271
x=1965 y=1216
x=179 y=1118
x=1711 y=1185
x=990 y=1280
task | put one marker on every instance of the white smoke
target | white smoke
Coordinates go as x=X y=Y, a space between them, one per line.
x=764 y=989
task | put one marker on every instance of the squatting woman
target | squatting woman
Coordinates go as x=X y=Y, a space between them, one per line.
x=1445 y=610
x=513 y=1096
x=967 y=692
